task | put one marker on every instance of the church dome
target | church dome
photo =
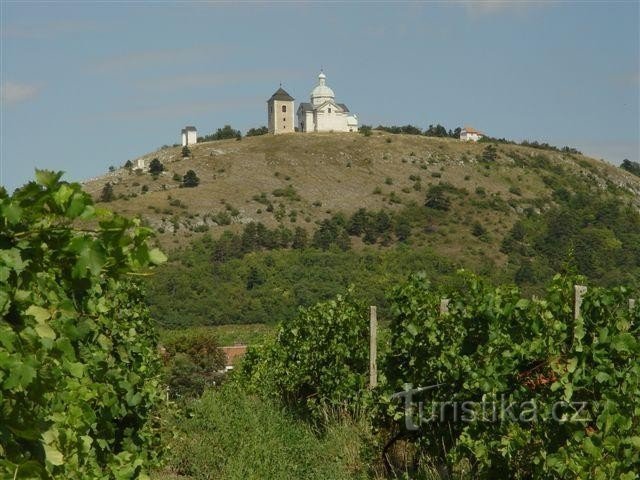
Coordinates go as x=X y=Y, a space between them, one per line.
x=322 y=92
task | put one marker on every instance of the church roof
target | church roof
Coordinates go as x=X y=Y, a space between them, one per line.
x=308 y=106
x=281 y=94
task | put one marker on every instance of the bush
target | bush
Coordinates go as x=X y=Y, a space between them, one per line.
x=254 y=132
x=107 y=194
x=489 y=154
x=478 y=230
x=193 y=362
x=79 y=370
x=190 y=179
x=437 y=198
x=223 y=133
x=631 y=167
x=186 y=152
x=156 y=167
x=320 y=358
x=365 y=130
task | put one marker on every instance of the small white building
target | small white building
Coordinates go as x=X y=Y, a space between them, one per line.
x=323 y=114
x=280 y=112
x=469 y=134
x=139 y=164
x=189 y=136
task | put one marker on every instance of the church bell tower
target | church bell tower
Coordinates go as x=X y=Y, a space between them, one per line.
x=280 y=108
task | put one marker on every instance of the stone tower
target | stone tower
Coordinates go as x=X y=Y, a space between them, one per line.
x=280 y=112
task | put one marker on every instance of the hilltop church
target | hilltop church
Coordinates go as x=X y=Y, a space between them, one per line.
x=321 y=114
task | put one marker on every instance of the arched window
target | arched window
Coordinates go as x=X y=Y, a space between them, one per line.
x=329 y=110
x=284 y=108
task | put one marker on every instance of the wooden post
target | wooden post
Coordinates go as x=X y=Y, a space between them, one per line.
x=373 y=347
x=579 y=293
x=632 y=304
x=444 y=306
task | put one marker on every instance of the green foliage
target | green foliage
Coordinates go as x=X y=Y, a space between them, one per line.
x=190 y=179
x=631 y=167
x=489 y=154
x=600 y=236
x=223 y=133
x=156 y=167
x=210 y=279
x=494 y=346
x=230 y=435
x=437 y=198
x=319 y=358
x=186 y=152
x=365 y=130
x=107 y=194
x=79 y=373
x=193 y=362
x=254 y=132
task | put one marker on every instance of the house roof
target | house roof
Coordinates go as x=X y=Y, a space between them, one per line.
x=281 y=94
x=190 y=129
x=472 y=130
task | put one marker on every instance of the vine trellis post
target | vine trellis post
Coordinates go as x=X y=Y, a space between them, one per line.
x=373 y=347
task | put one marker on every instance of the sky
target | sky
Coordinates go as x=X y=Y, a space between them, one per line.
x=86 y=85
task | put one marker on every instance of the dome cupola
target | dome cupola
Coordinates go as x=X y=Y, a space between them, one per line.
x=321 y=93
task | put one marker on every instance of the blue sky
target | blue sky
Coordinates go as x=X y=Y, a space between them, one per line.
x=88 y=85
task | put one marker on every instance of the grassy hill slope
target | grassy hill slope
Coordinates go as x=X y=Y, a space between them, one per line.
x=308 y=177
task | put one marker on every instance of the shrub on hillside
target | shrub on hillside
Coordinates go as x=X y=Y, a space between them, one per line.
x=631 y=167
x=107 y=194
x=79 y=371
x=156 y=167
x=193 y=362
x=254 y=132
x=224 y=133
x=190 y=179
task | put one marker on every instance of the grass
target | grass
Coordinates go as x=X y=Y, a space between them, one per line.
x=315 y=165
x=229 y=435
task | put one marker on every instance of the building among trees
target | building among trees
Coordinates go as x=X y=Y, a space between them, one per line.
x=470 y=134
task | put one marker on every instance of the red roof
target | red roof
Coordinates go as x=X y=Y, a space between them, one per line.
x=234 y=353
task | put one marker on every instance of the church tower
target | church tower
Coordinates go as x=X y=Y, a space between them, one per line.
x=280 y=112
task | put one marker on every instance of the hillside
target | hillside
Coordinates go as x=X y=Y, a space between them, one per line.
x=308 y=177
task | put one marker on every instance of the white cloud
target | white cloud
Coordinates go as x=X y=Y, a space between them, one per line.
x=13 y=93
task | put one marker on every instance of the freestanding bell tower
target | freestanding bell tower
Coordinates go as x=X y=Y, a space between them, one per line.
x=280 y=110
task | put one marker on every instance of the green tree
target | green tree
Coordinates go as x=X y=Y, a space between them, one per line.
x=489 y=154
x=186 y=152
x=437 y=199
x=631 y=167
x=300 y=238
x=156 y=167
x=190 y=179
x=107 y=194
x=254 y=132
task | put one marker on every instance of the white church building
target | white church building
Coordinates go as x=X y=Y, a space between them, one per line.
x=323 y=113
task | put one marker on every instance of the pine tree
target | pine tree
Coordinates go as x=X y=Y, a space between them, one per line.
x=190 y=179
x=107 y=194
